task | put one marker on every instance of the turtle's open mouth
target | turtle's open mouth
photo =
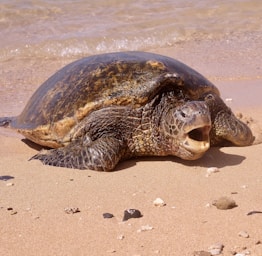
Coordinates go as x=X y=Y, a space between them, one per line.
x=200 y=134
x=197 y=140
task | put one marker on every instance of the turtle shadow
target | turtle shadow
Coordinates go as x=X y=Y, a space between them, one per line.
x=214 y=157
x=33 y=145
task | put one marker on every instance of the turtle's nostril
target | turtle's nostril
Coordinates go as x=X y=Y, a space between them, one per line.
x=185 y=111
x=183 y=114
x=210 y=97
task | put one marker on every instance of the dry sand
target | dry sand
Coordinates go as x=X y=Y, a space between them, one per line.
x=34 y=197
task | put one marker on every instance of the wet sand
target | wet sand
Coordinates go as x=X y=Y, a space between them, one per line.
x=34 y=197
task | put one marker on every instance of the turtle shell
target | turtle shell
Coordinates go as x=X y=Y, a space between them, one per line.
x=95 y=82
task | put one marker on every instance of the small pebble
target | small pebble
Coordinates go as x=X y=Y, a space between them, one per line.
x=10 y=184
x=216 y=249
x=120 y=237
x=111 y=251
x=159 y=202
x=224 y=203
x=11 y=210
x=107 y=215
x=6 y=177
x=145 y=228
x=211 y=170
x=71 y=210
x=244 y=253
x=243 y=234
x=131 y=213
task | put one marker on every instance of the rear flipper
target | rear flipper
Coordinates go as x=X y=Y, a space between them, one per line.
x=100 y=155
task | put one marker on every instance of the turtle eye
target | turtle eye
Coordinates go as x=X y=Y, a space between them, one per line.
x=210 y=97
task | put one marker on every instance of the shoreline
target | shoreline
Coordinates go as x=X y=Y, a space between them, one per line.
x=220 y=61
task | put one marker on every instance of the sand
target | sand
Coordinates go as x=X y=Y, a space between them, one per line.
x=34 y=197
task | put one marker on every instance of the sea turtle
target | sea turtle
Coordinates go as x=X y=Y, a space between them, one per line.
x=104 y=108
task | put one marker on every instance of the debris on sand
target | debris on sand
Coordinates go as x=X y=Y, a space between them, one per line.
x=224 y=203
x=159 y=202
x=71 y=210
x=243 y=234
x=131 y=213
x=216 y=249
x=211 y=170
x=10 y=184
x=108 y=215
x=253 y=212
x=11 y=210
x=145 y=228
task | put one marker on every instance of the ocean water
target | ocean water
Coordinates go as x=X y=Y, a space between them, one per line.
x=63 y=28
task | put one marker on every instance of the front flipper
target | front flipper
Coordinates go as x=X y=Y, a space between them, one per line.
x=228 y=127
x=102 y=154
x=225 y=125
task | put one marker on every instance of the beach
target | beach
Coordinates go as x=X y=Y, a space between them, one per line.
x=48 y=210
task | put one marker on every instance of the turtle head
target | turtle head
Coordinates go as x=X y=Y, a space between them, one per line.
x=187 y=128
x=226 y=128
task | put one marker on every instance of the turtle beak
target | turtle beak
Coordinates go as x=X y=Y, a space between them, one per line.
x=193 y=122
x=196 y=130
